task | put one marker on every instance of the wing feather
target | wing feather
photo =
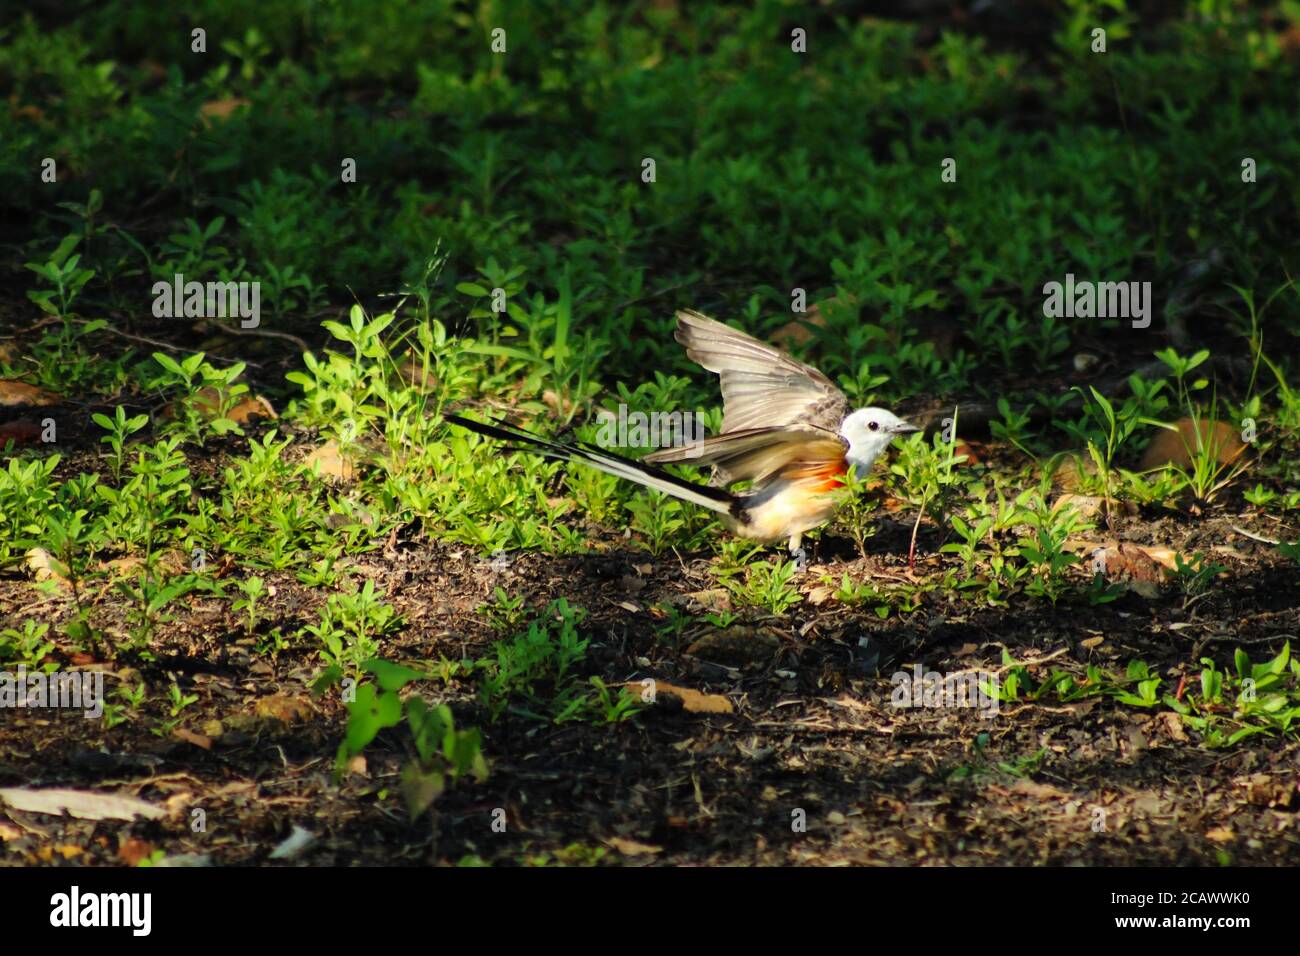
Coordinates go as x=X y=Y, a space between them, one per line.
x=757 y=454
x=776 y=412
x=762 y=387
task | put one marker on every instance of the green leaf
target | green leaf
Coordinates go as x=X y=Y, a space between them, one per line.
x=1242 y=662
x=390 y=676
x=420 y=787
x=326 y=679
x=369 y=714
x=168 y=363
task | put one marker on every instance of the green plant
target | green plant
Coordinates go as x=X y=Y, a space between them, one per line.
x=149 y=594
x=62 y=270
x=1012 y=425
x=1044 y=547
x=178 y=700
x=133 y=697
x=351 y=625
x=118 y=428
x=863 y=592
x=923 y=475
x=1259 y=496
x=207 y=395
x=27 y=646
x=658 y=517
x=254 y=590
x=73 y=541
x=764 y=584
x=1105 y=430
x=532 y=674
x=505 y=613
x=989 y=565
x=321 y=574
x=1226 y=707
x=857 y=512
x=443 y=754
x=543 y=655
x=1023 y=766
x=614 y=705
x=1209 y=469
x=1195 y=576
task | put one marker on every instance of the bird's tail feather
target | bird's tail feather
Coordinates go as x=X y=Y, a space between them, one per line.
x=715 y=499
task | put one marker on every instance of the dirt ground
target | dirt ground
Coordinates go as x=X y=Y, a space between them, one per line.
x=813 y=767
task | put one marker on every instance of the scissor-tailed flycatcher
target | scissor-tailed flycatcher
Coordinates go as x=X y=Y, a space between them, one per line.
x=786 y=429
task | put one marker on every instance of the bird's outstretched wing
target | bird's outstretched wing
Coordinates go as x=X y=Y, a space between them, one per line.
x=762 y=387
x=776 y=411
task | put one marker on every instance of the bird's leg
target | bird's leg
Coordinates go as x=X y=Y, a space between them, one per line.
x=797 y=553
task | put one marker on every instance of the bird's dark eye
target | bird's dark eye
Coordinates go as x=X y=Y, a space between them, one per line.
x=874 y=426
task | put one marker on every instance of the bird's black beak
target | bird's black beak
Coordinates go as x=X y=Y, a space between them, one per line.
x=904 y=428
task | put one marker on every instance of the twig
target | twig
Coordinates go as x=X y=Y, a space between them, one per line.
x=911 y=550
x=1006 y=667
x=301 y=343
x=145 y=340
x=1255 y=537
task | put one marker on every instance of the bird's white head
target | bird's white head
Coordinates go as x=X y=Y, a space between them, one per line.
x=869 y=432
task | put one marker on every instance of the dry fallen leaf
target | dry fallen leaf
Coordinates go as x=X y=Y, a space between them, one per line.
x=14 y=393
x=712 y=599
x=1177 y=447
x=1090 y=506
x=413 y=372
x=331 y=462
x=1130 y=565
x=820 y=595
x=801 y=330
x=221 y=109
x=170 y=561
x=133 y=850
x=1281 y=793
x=969 y=452
x=632 y=847
x=82 y=804
x=671 y=697
x=1125 y=561
x=208 y=400
x=1173 y=726
x=1068 y=475
x=45 y=567
x=190 y=737
x=561 y=406
x=67 y=851
x=287 y=710
x=20 y=432
x=1220 y=835
x=251 y=409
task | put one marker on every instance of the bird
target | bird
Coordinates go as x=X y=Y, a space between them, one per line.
x=786 y=429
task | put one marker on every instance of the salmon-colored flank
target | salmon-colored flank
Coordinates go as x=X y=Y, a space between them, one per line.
x=827 y=475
